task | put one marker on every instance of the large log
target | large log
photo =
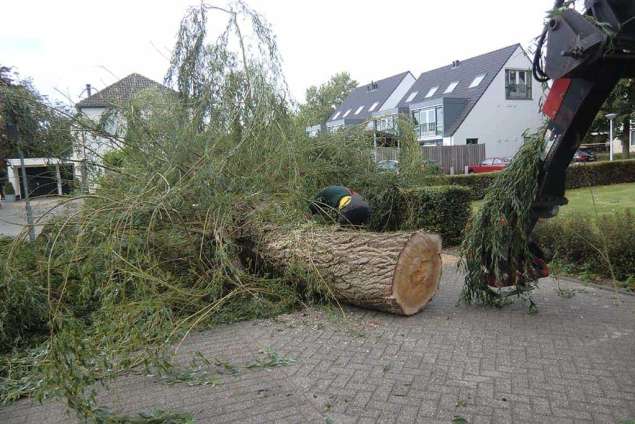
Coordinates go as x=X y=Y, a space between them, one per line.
x=392 y=272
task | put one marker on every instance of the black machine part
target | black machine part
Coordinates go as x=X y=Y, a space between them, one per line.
x=587 y=55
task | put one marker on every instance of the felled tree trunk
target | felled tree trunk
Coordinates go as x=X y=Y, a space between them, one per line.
x=392 y=272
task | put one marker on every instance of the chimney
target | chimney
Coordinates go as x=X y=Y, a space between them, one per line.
x=89 y=90
x=456 y=64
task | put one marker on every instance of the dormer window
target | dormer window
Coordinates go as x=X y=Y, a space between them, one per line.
x=412 y=96
x=373 y=107
x=348 y=112
x=451 y=87
x=359 y=110
x=432 y=92
x=335 y=116
x=477 y=81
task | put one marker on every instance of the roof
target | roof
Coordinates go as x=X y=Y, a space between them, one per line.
x=120 y=92
x=366 y=96
x=489 y=64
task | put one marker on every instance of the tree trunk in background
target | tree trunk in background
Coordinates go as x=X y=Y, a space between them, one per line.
x=392 y=272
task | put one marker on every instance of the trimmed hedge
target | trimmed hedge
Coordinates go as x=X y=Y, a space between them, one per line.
x=444 y=210
x=602 y=246
x=578 y=176
x=600 y=173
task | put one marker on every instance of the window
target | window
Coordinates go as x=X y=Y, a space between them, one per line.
x=477 y=81
x=359 y=110
x=412 y=96
x=313 y=131
x=432 y=92
x=517 y=84
x=373 y=107
x=335 y=128
x=451 y=87
x=348 y=112
x=428 y=122
x=335 y=116
x=471 y=141
x=386 y=123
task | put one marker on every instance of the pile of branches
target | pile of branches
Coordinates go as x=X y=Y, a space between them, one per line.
x=154 y=253
x=496 y=246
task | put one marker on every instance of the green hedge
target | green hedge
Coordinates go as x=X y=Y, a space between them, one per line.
x=602 y=246
x=600 y=173
x=444 y=210
x=578 y=176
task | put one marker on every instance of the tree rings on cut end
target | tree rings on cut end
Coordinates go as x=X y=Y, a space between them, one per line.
x=418 y=273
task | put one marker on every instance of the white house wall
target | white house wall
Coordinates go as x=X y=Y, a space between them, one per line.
x=499 y=123
x=394 y=99
x=95 y=147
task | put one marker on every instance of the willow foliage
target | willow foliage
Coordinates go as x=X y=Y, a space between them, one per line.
x=155 y=252
x=496 y=243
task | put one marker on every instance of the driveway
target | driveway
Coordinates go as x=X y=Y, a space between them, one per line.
x=571 y=362
x=13 y=214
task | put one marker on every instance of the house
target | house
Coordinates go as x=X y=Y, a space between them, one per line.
x=101 y=107
x=368 y=101
x=490 y=99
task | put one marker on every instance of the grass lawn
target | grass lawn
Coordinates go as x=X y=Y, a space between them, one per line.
x=608 y=199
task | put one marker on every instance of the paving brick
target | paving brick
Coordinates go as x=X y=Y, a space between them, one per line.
x=572 y=362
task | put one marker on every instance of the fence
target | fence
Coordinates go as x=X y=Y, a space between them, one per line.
x=446 y=157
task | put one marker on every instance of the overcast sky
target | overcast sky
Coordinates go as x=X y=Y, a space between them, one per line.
x=62 y=45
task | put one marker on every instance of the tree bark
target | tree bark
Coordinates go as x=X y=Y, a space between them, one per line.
x=397 y=273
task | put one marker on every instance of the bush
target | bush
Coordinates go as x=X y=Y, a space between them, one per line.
x=477 y=183
x=444 y=210
x=8 y=189
x=578 y=176
x=603 y=246
x=600 y=173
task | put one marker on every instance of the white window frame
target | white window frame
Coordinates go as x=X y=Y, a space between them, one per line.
x=348 y=112
x=478 y=80
x=527 y=83
x=373 y=107
x=451 y=87
x=412 y=96
x=359 y=110
x=432 y=92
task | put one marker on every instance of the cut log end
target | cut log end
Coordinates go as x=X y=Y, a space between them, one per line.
x=418 y=273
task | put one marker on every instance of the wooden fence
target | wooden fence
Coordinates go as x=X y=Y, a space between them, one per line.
x=448 y=158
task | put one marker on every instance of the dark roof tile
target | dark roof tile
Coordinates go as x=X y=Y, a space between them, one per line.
x=120 y=92
x=489 y=64
x=366 y=97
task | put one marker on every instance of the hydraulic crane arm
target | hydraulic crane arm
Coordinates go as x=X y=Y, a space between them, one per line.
x=587 y=55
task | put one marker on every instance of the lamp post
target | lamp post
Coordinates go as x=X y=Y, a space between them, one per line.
x=611 y=117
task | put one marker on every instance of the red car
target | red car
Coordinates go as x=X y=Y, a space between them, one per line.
x=489 y=165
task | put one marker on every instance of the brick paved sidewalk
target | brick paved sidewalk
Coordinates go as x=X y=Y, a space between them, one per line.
x=573 y=362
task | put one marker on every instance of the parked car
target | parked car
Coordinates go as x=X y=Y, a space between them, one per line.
x=489 y=165
x=388 y=165
x=584 y=155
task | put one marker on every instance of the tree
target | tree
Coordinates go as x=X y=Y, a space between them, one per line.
x=320 y=101
x=622 y=102
x=44 y=128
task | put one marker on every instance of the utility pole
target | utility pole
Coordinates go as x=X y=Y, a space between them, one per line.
x=13 y=132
